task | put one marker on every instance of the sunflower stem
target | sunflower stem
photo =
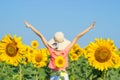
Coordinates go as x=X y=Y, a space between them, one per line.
x=104 y=74
x=86 y=73
x=3 y=67
x=20 y=72
x=73 y=72
x=36 y=74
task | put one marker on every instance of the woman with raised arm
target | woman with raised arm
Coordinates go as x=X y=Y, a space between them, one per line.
x=59 y=47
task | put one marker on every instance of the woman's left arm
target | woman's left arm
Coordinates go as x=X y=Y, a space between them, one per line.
x=38 y=33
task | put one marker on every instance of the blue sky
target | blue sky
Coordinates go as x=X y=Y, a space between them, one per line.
x=68 y=16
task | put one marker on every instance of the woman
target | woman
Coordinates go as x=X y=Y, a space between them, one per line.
x=59 y=46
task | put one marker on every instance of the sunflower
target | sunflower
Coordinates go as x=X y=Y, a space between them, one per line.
x=117 y=59
x=27 y=54
x=101 y=53
x=74 y=57
x=76 y=49
x=11 y=49
x=75 y=52
x=39 y=58
x=60 y=62
x=34 y=44
x=0 y=59
x=30 y=50
x=45 y=51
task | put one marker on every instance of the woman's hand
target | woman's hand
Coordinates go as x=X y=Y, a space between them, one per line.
x=93 y=24
x=27 y=24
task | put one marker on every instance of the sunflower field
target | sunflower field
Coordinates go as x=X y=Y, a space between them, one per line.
x=99 y=60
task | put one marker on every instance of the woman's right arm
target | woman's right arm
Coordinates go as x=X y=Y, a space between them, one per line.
x=37 y=32
x=81 y=34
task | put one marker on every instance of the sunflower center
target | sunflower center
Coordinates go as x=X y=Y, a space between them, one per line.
x=34 y=44
x=31 y=51
x=102 y=54
x=60 y=61
x=38 y=58
x=77 y=51
x=11 y=49
x=74 y=57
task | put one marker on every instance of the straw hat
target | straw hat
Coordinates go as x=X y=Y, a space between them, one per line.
x=59 y=42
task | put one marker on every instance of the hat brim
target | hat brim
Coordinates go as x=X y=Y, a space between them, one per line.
x=61 y=46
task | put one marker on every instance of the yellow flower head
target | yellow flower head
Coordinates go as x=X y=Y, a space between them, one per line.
x=34 y=44
x=30 y=50
x=74 y=57
x=60 y=62
x=101 y=53
x=117 y=59
x=39 y=59
x=76 y=49
x=12 y=49
x=27 y=54
x=1 y=59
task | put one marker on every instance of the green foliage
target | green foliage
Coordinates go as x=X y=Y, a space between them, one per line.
x=81 y=70
x=23 y=72
x=77 y=70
